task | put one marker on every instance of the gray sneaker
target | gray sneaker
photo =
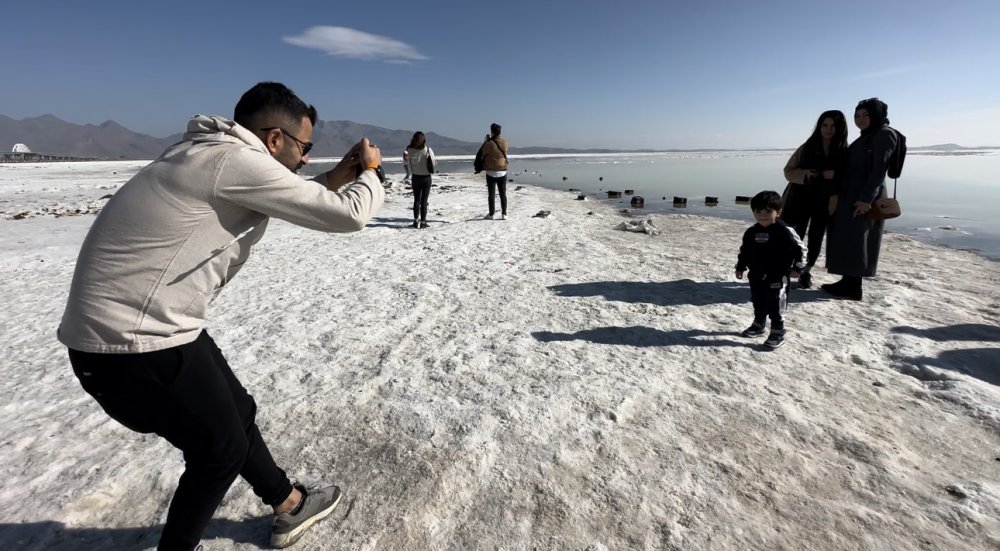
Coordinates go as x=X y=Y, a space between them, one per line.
x=775 y=339
x=755 y=330
x=316 y=505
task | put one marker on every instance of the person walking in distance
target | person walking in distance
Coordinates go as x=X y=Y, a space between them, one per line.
x=420 y=164
x=159 y=251
x=494 y=156
x=406 y=166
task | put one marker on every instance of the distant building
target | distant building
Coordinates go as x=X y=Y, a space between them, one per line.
x=23 y=154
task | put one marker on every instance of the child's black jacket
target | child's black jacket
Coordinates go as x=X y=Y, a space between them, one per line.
x=770 y=253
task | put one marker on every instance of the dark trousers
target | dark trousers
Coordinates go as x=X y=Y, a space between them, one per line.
x=769 y=301
x=498 y=183
x=811 y=213
x=189 y=396
x=817 y=231
x=421 y=191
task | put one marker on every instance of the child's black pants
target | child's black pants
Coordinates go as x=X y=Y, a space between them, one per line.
x=769 y=301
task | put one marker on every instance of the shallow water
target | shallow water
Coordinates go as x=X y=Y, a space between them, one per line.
x=947 y=199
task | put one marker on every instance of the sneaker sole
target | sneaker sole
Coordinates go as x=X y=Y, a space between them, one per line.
x=281 y=541
x=773 y=346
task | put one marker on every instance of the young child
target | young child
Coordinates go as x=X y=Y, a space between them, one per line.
x=772 y=251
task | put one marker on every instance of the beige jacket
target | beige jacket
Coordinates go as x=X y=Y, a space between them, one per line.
x=794 y=174
x=493 y=159
x=172 y=236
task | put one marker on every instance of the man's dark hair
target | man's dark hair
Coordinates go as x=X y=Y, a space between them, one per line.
x=272 y=100
x=766 y=200
x=495 y=129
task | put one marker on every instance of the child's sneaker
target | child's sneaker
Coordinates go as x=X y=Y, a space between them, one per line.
x=488 y=217
x=755 y=330
x=316 y=505
x=503 y=216
x=775 y=339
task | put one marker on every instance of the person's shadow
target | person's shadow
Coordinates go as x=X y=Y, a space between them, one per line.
x=642 y=336
x=674 y=293
x=958 y=332
x=981 y=363
x=55 y=536
x=390 y=223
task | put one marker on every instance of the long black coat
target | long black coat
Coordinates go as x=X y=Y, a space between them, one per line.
x=854 y=242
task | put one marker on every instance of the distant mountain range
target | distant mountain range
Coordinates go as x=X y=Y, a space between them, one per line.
x=110 y=140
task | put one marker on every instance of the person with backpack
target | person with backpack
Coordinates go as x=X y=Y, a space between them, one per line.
x=420 y=163
x=492 y=157
x=813 y=173
x=855 y=239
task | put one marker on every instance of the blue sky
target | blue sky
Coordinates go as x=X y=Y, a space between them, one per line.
x=625 y=74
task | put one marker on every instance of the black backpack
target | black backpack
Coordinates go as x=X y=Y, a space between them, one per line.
x=477 y=165
x=898 y=155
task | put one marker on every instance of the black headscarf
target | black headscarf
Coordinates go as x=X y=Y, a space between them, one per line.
x=878 y=112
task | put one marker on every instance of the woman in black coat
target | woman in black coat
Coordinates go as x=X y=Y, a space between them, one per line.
x=854 y=242
x=813 y=173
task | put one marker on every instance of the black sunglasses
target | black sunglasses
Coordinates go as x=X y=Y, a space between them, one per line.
x=305 y=147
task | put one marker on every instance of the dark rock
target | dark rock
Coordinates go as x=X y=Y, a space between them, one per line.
x=957 y=491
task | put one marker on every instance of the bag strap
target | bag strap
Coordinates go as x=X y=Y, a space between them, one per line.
x=871 y=162
x=894 y=180
x=502 y=152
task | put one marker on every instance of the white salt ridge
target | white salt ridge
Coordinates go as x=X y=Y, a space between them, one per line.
x=547 y=383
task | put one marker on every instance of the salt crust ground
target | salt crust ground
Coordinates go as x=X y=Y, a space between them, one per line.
x=530 y=383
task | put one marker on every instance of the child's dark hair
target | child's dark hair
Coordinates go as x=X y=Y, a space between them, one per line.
x=766 y=200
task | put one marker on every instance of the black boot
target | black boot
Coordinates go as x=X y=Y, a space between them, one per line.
x=849 y=287
x=853 y=288
x=835 y=289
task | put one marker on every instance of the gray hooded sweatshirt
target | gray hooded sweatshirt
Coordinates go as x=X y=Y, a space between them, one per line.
x=181 y=228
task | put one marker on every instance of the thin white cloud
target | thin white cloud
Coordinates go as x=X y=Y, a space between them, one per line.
x=825 y=83
x=883 y=73
x=355 y=44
